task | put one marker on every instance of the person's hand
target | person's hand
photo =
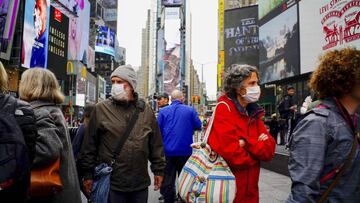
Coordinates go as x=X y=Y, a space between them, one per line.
x=263 y=137
x=87 y=186
x=157 y=182
x=242 y=143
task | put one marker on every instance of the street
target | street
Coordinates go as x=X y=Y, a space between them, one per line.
x=274 y=188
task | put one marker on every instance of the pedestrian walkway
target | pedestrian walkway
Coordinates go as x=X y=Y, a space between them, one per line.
x=274 y=188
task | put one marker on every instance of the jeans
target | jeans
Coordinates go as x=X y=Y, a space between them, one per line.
x=174 y=165
x=129 y=197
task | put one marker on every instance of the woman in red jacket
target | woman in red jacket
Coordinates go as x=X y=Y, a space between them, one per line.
x=239 y=135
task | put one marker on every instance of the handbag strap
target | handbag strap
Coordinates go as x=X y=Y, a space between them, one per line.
x=207 y=132
x=140 y=106
x=341 y=172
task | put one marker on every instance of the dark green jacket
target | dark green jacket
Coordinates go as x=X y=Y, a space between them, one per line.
x=107 y=124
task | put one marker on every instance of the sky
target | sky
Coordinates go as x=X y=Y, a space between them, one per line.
x=132 y=18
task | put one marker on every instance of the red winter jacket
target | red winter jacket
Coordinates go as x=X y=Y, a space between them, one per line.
x=229 y=126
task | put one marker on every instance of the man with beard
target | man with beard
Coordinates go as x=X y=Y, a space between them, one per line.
x=108 y=122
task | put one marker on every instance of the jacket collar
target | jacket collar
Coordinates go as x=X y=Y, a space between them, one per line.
x=251 y=110
x=176 y=102
x=41 y=103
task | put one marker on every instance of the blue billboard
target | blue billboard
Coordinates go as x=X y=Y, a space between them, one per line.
x=105 y=41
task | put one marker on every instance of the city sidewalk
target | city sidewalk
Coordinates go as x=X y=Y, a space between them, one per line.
x=274 y=188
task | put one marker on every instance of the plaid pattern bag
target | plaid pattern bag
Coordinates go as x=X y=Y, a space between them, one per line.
x=206 y=177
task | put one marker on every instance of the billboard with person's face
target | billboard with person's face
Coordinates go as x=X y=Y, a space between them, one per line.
x=327 y=25
x=79 y=33
x=35 y=33
x=8 y=14
x=172 y=50
x=279 y=46
x=241 y=37
x=105 y=41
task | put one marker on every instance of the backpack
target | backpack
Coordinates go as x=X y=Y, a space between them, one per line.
x=14 y=161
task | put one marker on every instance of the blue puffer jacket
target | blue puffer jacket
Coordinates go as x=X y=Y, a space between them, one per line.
x=321 y=143
x=177 y=124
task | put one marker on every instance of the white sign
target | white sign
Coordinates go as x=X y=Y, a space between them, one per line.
x=327 y=25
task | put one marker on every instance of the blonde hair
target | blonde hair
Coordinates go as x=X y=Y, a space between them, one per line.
x=3 y=79
x=40 y=84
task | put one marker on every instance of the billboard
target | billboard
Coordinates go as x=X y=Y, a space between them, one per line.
x=91 y=59
x=79 y=33
x=241 y=37
x=105 y=41
x=266 y=6
x=327 y=25
x=279 y=46
x=35 y=34
x=172 y=50
x=8 y=14
x=74 y=5
x=110 y=14
x=58 y=43
x=172 y=2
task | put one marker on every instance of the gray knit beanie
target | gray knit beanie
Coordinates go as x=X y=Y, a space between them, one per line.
x=127 y=73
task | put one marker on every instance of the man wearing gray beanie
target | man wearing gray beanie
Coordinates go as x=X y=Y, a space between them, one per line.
x=108 y=124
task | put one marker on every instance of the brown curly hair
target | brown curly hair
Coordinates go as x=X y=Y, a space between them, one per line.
x=337 y=74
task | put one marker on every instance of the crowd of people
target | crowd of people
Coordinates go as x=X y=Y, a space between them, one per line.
x=106 y=159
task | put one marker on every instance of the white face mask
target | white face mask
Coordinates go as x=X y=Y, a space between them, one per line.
x=118 y=92
x=252 y=94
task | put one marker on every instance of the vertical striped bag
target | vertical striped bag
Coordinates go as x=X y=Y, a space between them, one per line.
x=206 y=177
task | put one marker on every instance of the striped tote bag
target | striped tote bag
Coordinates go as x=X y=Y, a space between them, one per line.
x=206 y=177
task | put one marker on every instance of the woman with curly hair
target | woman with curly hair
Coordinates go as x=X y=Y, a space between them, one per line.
x=324 y=161
x=239 y=134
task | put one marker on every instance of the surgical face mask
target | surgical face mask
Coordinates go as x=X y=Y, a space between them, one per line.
x=252 y=94
x=118 y=92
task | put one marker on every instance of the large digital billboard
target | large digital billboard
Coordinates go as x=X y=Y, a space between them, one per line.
x=172 y=2
x=35 y=34
x=74 y=5
x=8 y=14
x=58 y=43
x=279 y=46
x=241 y=37
x=105 y=41
x=79 y=33
x=172 y=50
x=327 y=25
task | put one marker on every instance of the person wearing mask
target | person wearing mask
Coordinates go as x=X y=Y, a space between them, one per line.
x=163 y=100
x=324 y=162
x=110 y=118
x=287 y=110
x=177 y=123
x=25 y=121
x=238 y=133
x=40 y=88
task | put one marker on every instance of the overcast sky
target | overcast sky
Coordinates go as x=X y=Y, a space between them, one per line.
x=132 y=17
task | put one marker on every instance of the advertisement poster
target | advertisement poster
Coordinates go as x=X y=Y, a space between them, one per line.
x=105 y=41
x=266 y=6
x=279 y=47
x=172 y=2
x=79 y=33
x=91 y=59
x=74 y=5
x=327 y=25
x=8 y=14
x=241 y=37
x=58 y=43
x=160 y=51
x=90 y=88
x=172 y=50
x=36 y=32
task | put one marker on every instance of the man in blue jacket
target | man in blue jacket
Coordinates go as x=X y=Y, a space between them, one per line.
x=177 y=123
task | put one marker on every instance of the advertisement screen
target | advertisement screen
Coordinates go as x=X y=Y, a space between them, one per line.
x=79 y=34
x=160 y=51
x=172 y=50
x=91 y=59
x=266 y=6
x=279 y=47
x=36 y=33
x=172 y=2
x=105 y=41
x=8 y=14
x=74 y=5
x=241 y=37
x=58 y=43
x=327 y=25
